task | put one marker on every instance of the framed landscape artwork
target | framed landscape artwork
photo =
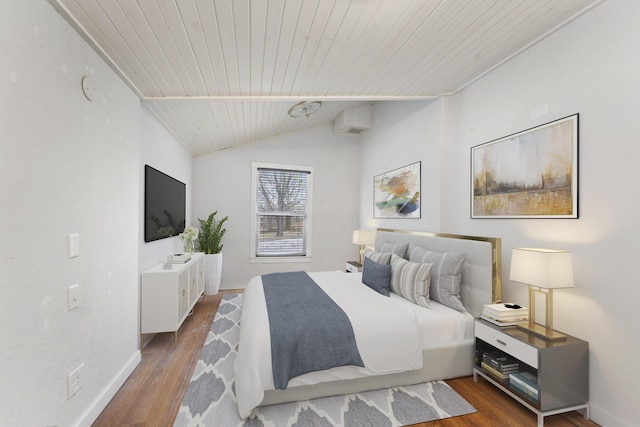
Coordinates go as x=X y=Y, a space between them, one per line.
x=396 y=194
x=530 y=174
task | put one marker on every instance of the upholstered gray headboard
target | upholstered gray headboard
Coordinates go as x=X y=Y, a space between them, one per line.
x=481 y=276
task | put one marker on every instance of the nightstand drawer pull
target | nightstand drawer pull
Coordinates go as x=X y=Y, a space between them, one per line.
x=501 y=339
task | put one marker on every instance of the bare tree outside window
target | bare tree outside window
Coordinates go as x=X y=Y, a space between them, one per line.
x=281 y=212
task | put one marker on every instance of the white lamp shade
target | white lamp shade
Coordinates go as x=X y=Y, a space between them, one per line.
x=545 y=268
x=363 y=237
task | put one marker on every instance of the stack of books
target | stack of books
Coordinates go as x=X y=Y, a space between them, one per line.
x=505 y=314
x=499 y=364
x=181 y=258
x=525 y=382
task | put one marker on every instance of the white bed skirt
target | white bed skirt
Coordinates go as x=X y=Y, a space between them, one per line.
x=441 y=362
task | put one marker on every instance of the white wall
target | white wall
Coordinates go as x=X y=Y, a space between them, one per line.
x=591 y=67
x=68 y=165
x=403 y=133
x=223 y=183
x=162 y=151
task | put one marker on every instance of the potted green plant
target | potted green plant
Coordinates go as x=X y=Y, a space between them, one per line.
x=210 y=241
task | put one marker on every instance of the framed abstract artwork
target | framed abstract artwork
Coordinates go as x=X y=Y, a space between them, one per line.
x=530 y=174
x=396 y=194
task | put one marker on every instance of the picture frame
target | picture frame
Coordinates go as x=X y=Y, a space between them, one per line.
x=529 y=174
x=396 y=194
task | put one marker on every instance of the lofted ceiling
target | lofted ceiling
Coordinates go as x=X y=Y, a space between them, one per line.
x=223 y=73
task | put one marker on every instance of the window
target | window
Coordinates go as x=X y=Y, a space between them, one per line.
x=281 y=206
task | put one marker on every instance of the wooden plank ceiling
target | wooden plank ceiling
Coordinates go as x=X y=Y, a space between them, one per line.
x=223 y=73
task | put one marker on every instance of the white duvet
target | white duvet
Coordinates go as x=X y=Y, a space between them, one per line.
x=386 y=335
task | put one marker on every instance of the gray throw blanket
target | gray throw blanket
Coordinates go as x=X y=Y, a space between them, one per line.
x=309 y=331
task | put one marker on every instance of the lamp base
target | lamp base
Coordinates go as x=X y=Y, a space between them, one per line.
x=542 y=332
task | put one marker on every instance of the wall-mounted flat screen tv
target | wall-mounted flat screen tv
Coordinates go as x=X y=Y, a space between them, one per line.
x=165 y=205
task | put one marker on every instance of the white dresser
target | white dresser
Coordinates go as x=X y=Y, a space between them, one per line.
x=168 y=296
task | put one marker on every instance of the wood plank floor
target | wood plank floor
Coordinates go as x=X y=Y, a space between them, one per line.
x=153 y=393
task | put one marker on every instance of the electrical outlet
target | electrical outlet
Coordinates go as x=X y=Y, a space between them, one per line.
x=75 y=381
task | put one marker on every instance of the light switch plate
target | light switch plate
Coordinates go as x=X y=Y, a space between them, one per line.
x=73 y=297
x=73 y=245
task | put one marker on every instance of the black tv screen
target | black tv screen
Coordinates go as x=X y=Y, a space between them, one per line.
x=165 y=201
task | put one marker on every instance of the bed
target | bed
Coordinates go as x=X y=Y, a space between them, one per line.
x=411 y=344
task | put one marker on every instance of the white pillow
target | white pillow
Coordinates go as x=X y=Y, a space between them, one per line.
x=399 y=249
x=446 y=277
x=411 y=280
x=380 y=258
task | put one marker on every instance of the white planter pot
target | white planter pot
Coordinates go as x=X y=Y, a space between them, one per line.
x=212 y=273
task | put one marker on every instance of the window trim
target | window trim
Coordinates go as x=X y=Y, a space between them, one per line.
x=253 y=259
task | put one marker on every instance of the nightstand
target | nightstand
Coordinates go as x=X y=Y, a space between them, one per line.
x=560 y=368
x=353 y=267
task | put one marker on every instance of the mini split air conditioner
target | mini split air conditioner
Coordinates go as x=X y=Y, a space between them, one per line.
x=354 y=121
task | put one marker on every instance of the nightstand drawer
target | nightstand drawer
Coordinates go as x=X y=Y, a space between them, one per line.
x=510 y=345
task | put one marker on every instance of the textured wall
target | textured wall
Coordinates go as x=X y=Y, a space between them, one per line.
x=590 y=67
x=158 y=148
x=68 y=165
x=403 y=133
x=223 y=183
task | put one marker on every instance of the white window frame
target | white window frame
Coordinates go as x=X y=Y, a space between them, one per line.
x=309 y=217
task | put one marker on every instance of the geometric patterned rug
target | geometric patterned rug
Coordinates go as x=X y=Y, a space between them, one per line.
x=210 y=398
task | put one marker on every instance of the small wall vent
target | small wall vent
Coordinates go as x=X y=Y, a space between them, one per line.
x=354 y=121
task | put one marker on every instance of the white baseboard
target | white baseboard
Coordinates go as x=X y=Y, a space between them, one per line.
x=91 y=414
x=604 y=418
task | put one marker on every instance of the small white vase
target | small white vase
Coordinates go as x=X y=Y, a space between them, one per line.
x=212 y=273
x=188 y=246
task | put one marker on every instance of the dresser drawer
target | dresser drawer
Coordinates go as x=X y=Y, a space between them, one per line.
x=510 y=345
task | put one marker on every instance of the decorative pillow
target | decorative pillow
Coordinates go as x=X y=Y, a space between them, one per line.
x=411 y=280
x=399 y=249
x=380 y=258
x=376 y=276
x=446 y=274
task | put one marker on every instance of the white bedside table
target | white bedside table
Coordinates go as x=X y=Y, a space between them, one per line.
x=353 y=267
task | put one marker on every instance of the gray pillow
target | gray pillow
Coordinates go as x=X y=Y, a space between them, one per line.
x=399 y=249
x=411 y=280
x=376 y=276
x=445 y=276
x=380 y=258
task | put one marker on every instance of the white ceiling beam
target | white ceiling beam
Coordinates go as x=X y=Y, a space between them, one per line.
x=268 y=98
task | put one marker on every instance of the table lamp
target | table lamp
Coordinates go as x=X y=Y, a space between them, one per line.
x=363 y=238
x=543 y=270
